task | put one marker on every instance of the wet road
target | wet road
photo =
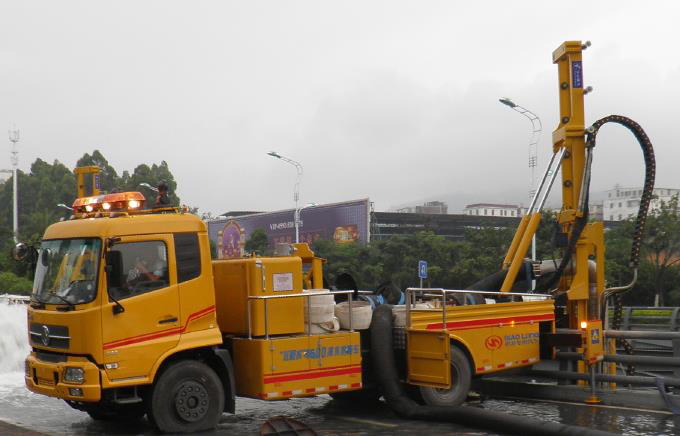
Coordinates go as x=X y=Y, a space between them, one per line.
x=324 y=415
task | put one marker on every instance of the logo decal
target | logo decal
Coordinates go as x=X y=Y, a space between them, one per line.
x=595 y=336
x=45 y=336
x=493 y=342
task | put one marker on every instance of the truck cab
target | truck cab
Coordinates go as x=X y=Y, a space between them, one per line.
x=116 y=295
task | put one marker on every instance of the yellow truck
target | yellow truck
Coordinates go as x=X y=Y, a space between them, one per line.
x=129 y=315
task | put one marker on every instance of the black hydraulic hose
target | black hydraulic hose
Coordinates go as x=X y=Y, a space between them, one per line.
x=382 y=355
x=645 y=199
x=650 y=173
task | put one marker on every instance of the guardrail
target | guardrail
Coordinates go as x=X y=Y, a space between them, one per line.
x=649 y=318
x=15 y=299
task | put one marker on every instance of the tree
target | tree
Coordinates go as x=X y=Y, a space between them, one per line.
x=258 y=243
x=661 y=249
x=13 y=284
x=47 y=185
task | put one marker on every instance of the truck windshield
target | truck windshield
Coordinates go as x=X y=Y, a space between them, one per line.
x=67 y=271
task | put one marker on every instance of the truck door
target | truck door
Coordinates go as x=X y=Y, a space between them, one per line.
x=149 y=325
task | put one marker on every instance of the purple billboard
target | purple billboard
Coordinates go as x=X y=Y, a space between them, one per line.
x=339 y=222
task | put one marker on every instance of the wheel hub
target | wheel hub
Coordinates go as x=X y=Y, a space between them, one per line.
x=192 y=401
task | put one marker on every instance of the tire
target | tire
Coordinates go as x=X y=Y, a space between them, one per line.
x=461 y=376
x=187 y=397
x=116 y=412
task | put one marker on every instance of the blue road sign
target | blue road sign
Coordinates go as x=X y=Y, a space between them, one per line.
x=422 y=269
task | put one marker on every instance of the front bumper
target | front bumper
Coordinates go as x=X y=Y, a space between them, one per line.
x=46 y=378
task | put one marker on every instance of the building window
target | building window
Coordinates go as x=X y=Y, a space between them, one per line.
x=611 y=217
x=620 y=216
x=619 y=204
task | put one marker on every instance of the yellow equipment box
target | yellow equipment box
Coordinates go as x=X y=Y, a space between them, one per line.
x=297 y=366
x=238 y=279
x=593 y=342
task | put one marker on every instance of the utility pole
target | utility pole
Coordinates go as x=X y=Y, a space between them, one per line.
x=14 y=138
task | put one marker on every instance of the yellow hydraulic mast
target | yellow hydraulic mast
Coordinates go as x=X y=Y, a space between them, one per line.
x=582 y=288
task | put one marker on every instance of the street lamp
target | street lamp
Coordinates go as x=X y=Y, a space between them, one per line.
x=536 y=129
x=297 y=217
x=14 y=138
x=296 y=192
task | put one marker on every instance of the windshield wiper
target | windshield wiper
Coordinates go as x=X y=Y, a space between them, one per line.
x=70 y=306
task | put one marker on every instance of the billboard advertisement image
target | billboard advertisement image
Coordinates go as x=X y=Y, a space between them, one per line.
x=340 y=222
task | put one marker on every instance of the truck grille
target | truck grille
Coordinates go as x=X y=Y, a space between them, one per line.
x=45 y=335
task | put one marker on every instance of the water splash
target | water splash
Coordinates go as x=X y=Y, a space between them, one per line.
x=13 y=337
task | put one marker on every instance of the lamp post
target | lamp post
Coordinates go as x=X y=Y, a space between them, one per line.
x=14 y=138
x=298 y=220
x=296 y=191
x=536 y=129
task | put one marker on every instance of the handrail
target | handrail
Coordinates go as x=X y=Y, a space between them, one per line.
x=266 y=298
x=465 y=291
x=411 y=292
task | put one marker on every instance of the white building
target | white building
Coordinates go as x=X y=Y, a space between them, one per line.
x=490 y=209
x=622 y=203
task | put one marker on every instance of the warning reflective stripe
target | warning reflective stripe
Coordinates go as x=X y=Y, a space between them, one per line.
x=315 y=390
x=319 y=373
x=493 y=322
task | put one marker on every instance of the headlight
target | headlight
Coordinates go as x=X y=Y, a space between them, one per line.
x=74 y=375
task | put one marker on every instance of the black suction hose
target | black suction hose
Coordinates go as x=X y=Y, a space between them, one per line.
x=382 y=355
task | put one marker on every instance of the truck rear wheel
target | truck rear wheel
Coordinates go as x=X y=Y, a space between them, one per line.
x=461 y=376
x=187 y=397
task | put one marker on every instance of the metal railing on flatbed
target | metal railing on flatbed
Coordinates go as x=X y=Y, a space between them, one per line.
x=441 y=294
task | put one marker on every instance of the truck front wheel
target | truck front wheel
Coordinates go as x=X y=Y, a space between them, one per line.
x=187 y=397
x=461 y=376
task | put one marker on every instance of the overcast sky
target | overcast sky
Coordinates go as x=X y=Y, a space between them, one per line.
x=392 y=100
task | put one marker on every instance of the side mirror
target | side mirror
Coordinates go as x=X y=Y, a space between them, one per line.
x=114 y=269
x=20 y=252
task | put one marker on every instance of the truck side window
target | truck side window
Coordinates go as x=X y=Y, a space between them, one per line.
x=188 y=256
x=145 y=268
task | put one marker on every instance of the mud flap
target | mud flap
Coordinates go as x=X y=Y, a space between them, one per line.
x=428 y=354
